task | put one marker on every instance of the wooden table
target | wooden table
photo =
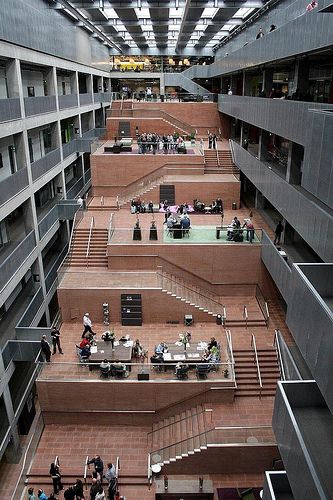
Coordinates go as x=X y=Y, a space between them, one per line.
x=104 y=351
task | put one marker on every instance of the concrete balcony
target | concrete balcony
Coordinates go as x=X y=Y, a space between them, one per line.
x=85 y=99
x=69 y=148
x=303 y=426
x=289 y=119
x=68 y=101
x=310 y=319
x=310 y=220
x=16 y=259
x=48 y=221
x=75 y=188
x=46 y=163
x=51 y=276
x=10 y=109
x=295 y=35
x=276 y=266
x=13 y=185
x=97 y=97
x=39 y=105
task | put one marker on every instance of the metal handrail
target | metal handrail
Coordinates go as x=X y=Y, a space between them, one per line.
x=262 y=304
x=217 y=156
x=149 y=472
x=277 y=346
x=102 y=200
x=174 y=280
x=231 y=354
x=92 y=223
x=254 y=345
x=204 y=433
x=204 y=410
x=117 y=474
x=245 y=315
x=57 y=461
x=224 y=320
x=85 y=471
x=110 y=228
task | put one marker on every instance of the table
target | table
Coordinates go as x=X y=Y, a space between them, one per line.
x=103 y=350
x=192 y=354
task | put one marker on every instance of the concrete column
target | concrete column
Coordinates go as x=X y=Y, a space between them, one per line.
x=246 y=84
x=12 y=76
x=301 y=76
x=162 y=84
x=295 y=161
x=264 y=139
x=28 y=216
x=74 y=83
x=21 y=159
x=54 y=85
x=267 y=81
x=51 y=81
x=100 y=84
x=55 y=135
x=89 y=80
x=13 y=450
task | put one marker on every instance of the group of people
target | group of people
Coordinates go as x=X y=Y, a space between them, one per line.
x=153 y=142
x=174 y=220
x=140 y=206
x=216 y=207
x=76 y=492
x=235 y=230
x=212 y=141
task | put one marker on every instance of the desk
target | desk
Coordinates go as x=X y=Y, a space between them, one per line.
x=177 y=231
x=104 y=351
x=176 y=353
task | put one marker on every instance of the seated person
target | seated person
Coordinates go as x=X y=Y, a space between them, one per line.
x=233 y=228
x=170 y=222
x=117 y=367
x=142 y=207
x=199 y=206
x=105 y=366
x=85 y=341
x=161 y=348
x=108 y=336
x=181 y=368
x=180 y=209
x=213 y=207
x=151 y=207
x=165 y=205
x=138 y=350
x=212 y=343
x=185 y=223
x=85 y=352
x=219 y=205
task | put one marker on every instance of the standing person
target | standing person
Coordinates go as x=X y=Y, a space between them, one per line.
x=42 y=495
x=278 y=232
x=260 y=34
x=312 y=5
x=100 y=495
x=111 y=470
x=210 y=141
x=214 y=141
x=31 y=495
x=55 y=335
x=95 y=485
x=87 y=325
x=249 y=230
x=46 y=349
x=80 y=202
x=56 y=478
x=78 y=489
x=69 y=494
x=98 y=463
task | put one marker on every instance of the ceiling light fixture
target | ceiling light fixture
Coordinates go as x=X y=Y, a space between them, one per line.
x=216 y=4
x=176 y=4
x=139 y=4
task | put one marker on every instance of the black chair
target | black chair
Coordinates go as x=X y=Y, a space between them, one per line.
x=105 y=371
x=119 y=371
x=202 y=371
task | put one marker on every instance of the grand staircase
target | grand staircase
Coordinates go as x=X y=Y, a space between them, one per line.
x=178 y=436
x=211 y=161
x=201 y=299
x=247 y=372
x=97 y=251
x=219 y=161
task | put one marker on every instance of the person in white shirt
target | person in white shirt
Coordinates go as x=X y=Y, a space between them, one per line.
x=80 y=202
x=87 y=324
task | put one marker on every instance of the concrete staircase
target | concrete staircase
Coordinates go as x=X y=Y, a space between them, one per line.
x=178 y=436
x=97 y=252
x=211 y=161
x=201 y=299
x=247 y=374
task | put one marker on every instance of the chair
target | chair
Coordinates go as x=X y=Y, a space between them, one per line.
x=202 y=371
x=119 y=371
x=82 y=359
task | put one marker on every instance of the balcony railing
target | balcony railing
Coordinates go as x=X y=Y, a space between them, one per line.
x=39 y=105
x=97 y=97
x=52 y=273
x=48 y=221
x=13 y=184
x=69 y=148
x=44 y=164
x=276 y=265
x=15 y=260
x=68 y=101
x=85 y=99
x=31 y=311
x=75 y=189
x=10 y=109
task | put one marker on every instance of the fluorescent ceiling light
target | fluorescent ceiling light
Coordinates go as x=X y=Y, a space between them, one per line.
x=111 y=13
x=176 y=13
x=142 y=14
x=209 y=12
x=243 y=12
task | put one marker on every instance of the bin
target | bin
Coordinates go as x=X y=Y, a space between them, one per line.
x=234 y=206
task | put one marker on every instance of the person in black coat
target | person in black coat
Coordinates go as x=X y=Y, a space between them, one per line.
x=46 y=349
